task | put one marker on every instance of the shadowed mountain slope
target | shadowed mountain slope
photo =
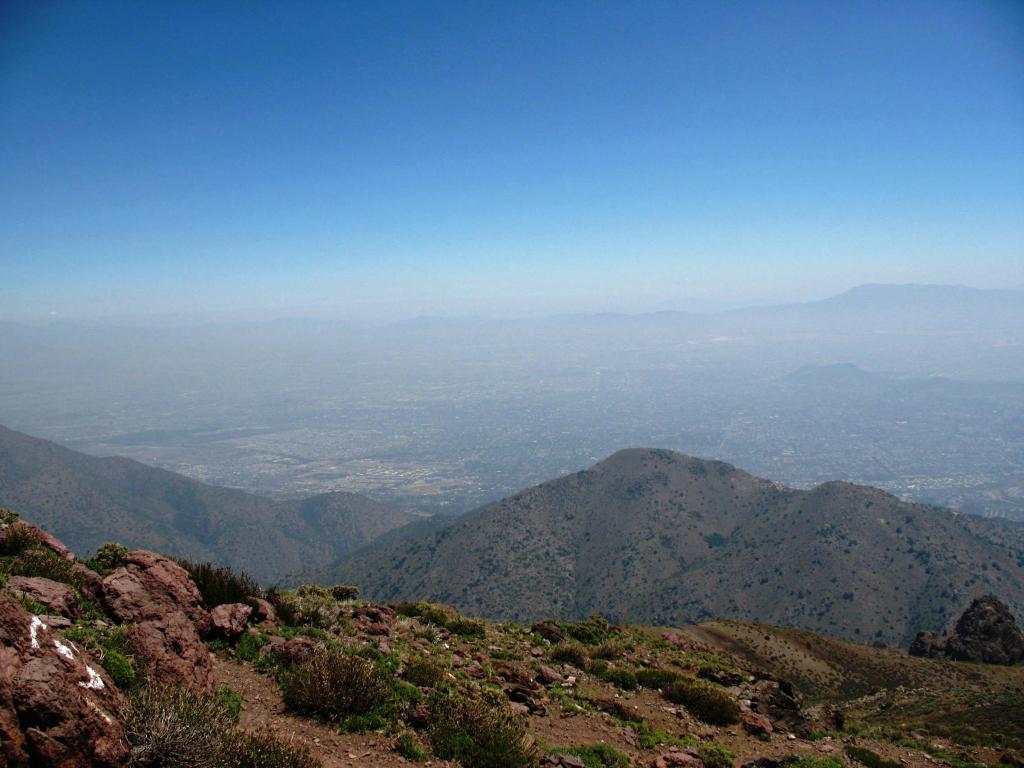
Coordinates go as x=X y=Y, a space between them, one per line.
x=87 y=501
x=652 y=536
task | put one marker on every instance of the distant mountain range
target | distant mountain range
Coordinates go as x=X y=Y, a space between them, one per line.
x=652 y=536
x=87 y=501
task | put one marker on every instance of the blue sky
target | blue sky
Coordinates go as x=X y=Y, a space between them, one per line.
x=393 y=158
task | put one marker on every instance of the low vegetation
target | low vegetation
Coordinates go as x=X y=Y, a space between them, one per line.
x=706 y=702
x=339 y=686
x=597 y=756
x=220 y=585
x=478 y=732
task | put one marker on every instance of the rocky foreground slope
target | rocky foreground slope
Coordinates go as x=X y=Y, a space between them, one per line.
x=132 y=659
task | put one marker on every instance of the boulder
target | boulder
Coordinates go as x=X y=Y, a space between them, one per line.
x=755 y=724
x=986 y=633
x=230 y=620
x=148 y=585
x=778 y=701
x=264 y=612
x=547 y=676
x=59 y=598
x=523 y=695
x=683 y=759
x=58 y=706
x=162 y=607
x=549 y=631
x=172 y=652
x=376 y=614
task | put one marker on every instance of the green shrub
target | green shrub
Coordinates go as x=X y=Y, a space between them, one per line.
x=717 y=756
x=442 y=617
x=619 y=676
x=597 y=756
x=110 y=646
x=220 y=585
x=591 y=631
x=311 y=605
x=32 y=605
x=249 y=645
x=467 y=627
x=121 y=669
x=174 y=728
x=813 y=761
x=869 y=758
x=655 y=678
x=706 y=702
x=571 y=653
x=230 y=700
x=108 y=557
x=9 y=517
x=286 y=612
x=478 y=732
x=344 y=592
x=648 y=738
x=44 y=563
x=18 y=537
x=425 y=672
x=609 y=649
x=261 y=749
x=409 y=748
x=335 y=685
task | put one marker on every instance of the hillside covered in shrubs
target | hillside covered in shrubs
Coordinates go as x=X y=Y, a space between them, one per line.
x=134 y=659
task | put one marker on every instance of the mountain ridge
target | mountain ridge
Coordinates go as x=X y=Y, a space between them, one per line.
x=701 y=539
x=87 y=501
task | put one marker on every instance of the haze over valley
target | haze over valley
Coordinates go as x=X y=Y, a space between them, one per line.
x=918 y=390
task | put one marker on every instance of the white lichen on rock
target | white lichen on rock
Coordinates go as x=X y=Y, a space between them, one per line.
x=33 y=631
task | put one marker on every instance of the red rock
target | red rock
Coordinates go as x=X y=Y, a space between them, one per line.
x=57 y=705
x=377 y=629
x=378 y=614
x=680 y=642
x=89 y=583
x=547 y=675
x=59 y=598
x=678 y=759
x=51 y=543
x=230 y=620
x=290 y=652
x=264 y=612
x=172 y=652
x=150 y=584
x=756 y=724
x=162 y=607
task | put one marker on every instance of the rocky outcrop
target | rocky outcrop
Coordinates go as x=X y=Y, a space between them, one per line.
x=930 y=645
x=163 y=608
x=57 y=597
x=57 y=705
x=986 y=633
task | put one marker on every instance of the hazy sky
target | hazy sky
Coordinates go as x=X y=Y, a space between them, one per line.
x=465 y=157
